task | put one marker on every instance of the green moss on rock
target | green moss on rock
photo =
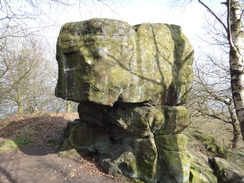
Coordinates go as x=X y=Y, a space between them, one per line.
x=227 y=171
x=146 y=157
x=138 y=121
x=209 y=143
x=101 y=60
x=129 y=82
x=174 y=160
x=200 y=170
x=176 y=119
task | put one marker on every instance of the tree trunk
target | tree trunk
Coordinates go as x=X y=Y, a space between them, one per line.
x=236 y=42
x=68 y=106
x=236 y=134
x=235 y=127
x=19 y=102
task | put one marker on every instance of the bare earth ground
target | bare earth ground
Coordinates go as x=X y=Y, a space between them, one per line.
x=27 y=154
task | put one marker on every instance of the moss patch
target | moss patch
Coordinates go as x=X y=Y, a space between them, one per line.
x=17 y=142
x=209 y=143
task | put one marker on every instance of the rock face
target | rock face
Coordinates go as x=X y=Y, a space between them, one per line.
x=227 y=171
x=131 y=82
x=102 y=60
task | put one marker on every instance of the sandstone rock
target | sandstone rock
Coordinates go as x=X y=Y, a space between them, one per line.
x=101 y=60
x=200 y=170
x=88 y=137
x=147 y=159
x=227 y=171
x=130 y=82
x=138 y=120
x=176 y=119
x=174 y=159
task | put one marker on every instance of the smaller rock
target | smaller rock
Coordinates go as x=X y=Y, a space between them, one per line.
x=146 y=157
x=226 y=171
x=88 y=137
x=200 y=171
x=68 y=128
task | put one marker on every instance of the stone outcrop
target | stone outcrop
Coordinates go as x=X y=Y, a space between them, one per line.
x=102 y=60
x=131 y=83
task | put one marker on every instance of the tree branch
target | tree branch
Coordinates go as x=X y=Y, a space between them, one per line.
x=210 y=11
x=4 y=72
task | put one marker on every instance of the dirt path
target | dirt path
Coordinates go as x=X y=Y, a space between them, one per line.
x=19 y=167
x=39 y=162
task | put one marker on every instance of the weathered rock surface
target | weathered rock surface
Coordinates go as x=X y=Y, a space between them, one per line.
x=130 y=83
x=200 y=170
x=101 y=60
x=227 y=171
x=174 y=160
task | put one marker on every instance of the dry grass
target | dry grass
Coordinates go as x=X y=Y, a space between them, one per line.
x=218 y=129
x=34 y=128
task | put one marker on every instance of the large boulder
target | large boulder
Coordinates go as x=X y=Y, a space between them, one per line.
x=130 y=82
x=102 y=60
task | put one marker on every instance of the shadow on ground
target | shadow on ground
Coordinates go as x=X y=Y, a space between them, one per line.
x=29 y=152
x=35 y=135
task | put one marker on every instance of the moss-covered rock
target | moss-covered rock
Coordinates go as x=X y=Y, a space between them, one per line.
x=130 y=82
x=91 y=60
x=101 y=60
x=138 y=120
x=88 y=137
x=176 y=119
x=174 y=159
x=227 y=171
x=147 y=159
x=136 y=158
x=200 y=170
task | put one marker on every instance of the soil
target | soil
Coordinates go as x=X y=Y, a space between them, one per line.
x=37 y=158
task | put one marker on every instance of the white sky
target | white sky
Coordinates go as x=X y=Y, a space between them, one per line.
x=190 y=17
x=140 y=11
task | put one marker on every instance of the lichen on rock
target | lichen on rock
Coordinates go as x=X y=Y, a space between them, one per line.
x=131 y=83
x=101 y=60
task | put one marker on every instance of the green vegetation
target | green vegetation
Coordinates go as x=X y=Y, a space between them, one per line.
x=207 y=143
x=10 y=145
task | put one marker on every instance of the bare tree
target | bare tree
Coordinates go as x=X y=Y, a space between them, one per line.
x=232 y=25
x=211 y=97
x=235 y=32
x=27 y=79
x=23 y=60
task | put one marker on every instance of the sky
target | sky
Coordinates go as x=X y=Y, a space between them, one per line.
x=190 y=17
x=46 y=14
